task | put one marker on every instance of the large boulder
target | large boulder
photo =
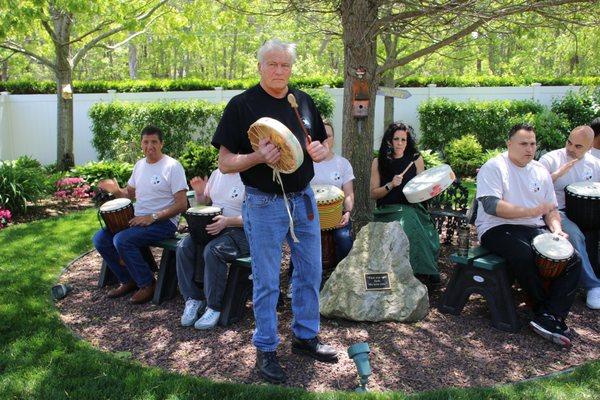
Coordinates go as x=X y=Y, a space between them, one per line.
x=379 y=247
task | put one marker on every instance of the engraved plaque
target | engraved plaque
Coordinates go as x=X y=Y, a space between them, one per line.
x=379 y=281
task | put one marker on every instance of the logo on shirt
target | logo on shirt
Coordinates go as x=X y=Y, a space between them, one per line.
x=155 y=180
x=335 y=176
x=587 y=174
x=534 y=186
x=235 y=192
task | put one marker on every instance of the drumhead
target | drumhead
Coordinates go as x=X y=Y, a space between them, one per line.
x=204 y=210
x=292 y=155
x=421 y=187
x=115 y=204
x=584 y=189
x=552 y=246
x=327 y=193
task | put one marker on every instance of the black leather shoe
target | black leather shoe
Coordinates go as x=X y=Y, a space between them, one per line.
x=315 y=349
x=268 y=366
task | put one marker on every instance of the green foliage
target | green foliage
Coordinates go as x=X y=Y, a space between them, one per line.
x=116 y=126
x=464 y=155
x=93 y=172
x=323 y=101
x=21 y=181
x=443 y=120
x=580 y=108
x=551 y=129
x=431 y=158
x=199 y=160
x=491 y=153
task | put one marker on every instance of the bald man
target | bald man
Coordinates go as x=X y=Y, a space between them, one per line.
x=574 y=163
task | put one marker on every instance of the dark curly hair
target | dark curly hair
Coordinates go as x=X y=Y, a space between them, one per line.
x=386 y=150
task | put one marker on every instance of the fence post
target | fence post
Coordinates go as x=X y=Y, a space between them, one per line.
x=431 y=87
x=535 y=90
x=6 y=134
x=112 y=95
x=219 y=95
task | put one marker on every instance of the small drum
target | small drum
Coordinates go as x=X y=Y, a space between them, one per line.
x=552 y=254
x=429 y=183
x=279 y=135
x=328 y=256
x=116 y=214
x=330 y=200
x=198 y=218
x=582 y=200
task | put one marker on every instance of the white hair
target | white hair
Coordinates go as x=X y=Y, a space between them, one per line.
x=276 y=45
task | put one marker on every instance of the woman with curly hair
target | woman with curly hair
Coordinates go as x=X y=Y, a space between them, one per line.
x=398 y=162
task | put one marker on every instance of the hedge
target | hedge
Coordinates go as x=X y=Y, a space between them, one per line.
x=443 y=120
x=116 y=126
x=186 y=84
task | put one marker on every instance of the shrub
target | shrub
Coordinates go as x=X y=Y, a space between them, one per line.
x=491 y=154
x=580 y=108
x=443 y=120
x=431 y=158
x=5 y=217
x=199 y=160
x=72 y=188
x=21 y=181
x=464 y=155
x=323 y=101
x=93 y=172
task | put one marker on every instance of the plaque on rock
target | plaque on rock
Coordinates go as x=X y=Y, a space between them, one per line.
x=377 y=281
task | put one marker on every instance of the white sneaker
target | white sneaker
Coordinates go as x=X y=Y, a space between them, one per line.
x=289 y=291
x=593 y=298
x=190 y=312
x=208 y=320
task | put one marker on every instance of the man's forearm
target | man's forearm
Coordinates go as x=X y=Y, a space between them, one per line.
x=552 y=220
x=504 y=209
x=231 y=163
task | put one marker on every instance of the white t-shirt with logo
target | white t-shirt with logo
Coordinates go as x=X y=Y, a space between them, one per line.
x=227 y=191
x=156 y=184
x=595 y=152
x=586 y=169
x=526 y=186
x=337 y=171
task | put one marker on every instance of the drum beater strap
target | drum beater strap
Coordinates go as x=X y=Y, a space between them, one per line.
x=277 y=178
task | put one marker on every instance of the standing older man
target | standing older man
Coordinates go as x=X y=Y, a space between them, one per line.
x=159 y=186
x=575 y=164
x=517 y=199
x=266 y=219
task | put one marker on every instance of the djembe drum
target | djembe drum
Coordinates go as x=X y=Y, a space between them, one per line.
x=330 y=200
x=582 y=200
x=198 y=218
x=429 y=183
x=116 y=214
x=552 y=254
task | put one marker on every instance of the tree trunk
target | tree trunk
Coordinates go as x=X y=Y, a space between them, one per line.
x=388 y=109
x=133 y=60
x=4 y=73
x=359 y=51
x=64 y=106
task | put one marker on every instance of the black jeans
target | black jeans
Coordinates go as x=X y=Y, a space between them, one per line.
x=513 y=242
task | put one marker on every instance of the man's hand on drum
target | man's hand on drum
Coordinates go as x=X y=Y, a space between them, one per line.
x=344 y=221
x=316 y=150
x=199 y=184
x=110 y=185
x=144 y=220
x=217 y=226
x=561 y=233
x=268 y=152
x=542 y=209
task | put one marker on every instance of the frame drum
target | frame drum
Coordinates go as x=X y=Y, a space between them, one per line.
x=429 y=183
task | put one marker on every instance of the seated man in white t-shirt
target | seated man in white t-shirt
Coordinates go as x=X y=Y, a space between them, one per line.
x=226 y=191
x=595 y=125
x=516 y=203
x=572 y=164
x=159 y=187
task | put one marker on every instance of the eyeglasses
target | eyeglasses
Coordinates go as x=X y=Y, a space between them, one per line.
x=400 y=139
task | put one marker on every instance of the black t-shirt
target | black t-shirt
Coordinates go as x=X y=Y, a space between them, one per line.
x=244 y=109
x=395 y=196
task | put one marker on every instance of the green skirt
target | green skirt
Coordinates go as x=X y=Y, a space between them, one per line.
x=422 y=236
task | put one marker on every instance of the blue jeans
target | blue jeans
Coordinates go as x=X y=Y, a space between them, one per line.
x=588 y=278
x=266 y=224
x=229 y=245
x=343 y=241
x=126 y=245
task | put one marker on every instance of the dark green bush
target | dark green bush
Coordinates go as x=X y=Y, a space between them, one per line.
x=431 y=158
x=199 y=160
x=443 y=120
x=323 y=101
x=464 y=155
x=580 y=108
x=93 y=172
x=22 y=181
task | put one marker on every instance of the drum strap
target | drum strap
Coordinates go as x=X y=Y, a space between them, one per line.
x=277 y=178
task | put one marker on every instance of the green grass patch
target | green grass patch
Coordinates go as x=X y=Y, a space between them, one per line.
x=41 y=359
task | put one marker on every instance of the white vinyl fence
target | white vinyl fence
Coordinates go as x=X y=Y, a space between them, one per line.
x=28 y=122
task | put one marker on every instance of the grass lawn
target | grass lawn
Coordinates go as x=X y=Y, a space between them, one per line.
x=41 y=359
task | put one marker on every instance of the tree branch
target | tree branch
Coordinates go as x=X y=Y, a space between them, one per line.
x=9 y=45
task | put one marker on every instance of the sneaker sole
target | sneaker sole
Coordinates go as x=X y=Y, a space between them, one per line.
x=189 y=324
x=553 y=337
x=325 y=359
x=592 y=307
x=205 y=327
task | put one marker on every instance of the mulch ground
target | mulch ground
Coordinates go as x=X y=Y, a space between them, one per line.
x=439 y=351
